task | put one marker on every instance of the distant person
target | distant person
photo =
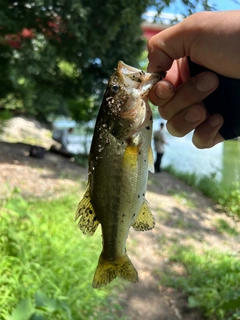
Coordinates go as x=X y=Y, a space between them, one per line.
x=159 y=142
x=65 y=138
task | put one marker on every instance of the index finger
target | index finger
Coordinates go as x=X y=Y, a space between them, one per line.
x=165 y=47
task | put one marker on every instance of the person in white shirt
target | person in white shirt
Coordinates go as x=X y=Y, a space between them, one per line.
x=159 y=142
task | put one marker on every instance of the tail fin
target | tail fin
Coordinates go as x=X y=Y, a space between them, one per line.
x=108 y=270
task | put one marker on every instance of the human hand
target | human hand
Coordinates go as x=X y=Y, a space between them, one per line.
x=208 y=38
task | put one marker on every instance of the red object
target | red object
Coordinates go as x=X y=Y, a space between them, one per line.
x=27 y=33
x=150 y=29
x=13 y=41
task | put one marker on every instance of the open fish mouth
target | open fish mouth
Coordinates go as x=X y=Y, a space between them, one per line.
x=137 y=79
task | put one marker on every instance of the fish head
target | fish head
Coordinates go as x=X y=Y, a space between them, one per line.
x=125 y=98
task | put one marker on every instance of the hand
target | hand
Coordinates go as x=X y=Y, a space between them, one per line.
x=207 y=38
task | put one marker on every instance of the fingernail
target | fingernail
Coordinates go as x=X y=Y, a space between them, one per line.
x=193 y=115
x=206 y=82
x=215 y=120
x=164 y=89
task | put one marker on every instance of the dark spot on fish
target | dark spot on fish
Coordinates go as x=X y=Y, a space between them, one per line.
x=148 y=127
x=90 y=211
x=139 y=152
x=138 y=196
x=123 y=215
x=143 y=194
x=142 y=103
x=151 y=118
x=134 y=215
x=95 y=218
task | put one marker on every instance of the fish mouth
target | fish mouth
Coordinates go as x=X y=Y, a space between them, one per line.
x=138 y=79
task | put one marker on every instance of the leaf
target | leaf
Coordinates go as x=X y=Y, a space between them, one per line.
x=36 y=316
x=43 y=302
x=18 y=205
x=193 y=303
x=231 y=304
x=23 y=311
x=51 y=305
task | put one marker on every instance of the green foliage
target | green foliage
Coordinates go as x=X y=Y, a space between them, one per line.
x=212 y=281
x=53 y=53
x=40 y=306
x=229 y=198
x=223 y=227
x=4 y=116
x=46 y=264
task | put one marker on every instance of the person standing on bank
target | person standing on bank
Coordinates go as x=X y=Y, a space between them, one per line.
x=159 y=142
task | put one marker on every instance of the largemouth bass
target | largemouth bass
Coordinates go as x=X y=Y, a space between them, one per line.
x=119 y=160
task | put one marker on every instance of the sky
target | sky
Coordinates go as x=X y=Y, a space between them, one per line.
x=178 y=7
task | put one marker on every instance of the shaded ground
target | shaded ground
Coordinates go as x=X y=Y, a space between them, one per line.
x=177 y=222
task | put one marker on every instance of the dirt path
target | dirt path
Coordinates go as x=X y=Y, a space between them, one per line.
x=186 y=220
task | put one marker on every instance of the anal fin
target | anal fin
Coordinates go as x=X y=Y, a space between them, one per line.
x=88 y=222
x=145 y=219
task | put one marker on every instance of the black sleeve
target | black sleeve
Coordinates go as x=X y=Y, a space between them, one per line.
x=224 y=100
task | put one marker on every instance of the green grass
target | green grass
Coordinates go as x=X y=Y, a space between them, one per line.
x=47 y=265
x=183 y=198
x=223 y=227
x=229 y=197
x=210 y=280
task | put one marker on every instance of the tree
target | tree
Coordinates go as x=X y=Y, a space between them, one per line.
x=57 y=55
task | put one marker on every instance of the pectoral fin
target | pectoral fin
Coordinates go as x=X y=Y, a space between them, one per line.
x=88 y=222
x=151 y=161
x=145 y=219
x=130 y=157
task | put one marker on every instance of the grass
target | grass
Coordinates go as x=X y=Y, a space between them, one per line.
x=223 y=227
x=47 y=265
x=229 y=198
x=210 y=280
x=183 y=198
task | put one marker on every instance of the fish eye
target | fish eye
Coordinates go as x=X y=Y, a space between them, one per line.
x=115 y=88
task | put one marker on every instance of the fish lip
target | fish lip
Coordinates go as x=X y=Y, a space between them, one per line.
x=138 y=79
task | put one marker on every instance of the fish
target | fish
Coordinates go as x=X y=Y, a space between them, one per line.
x=119 y=160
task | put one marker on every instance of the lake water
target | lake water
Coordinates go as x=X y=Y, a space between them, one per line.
x=222 y=160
